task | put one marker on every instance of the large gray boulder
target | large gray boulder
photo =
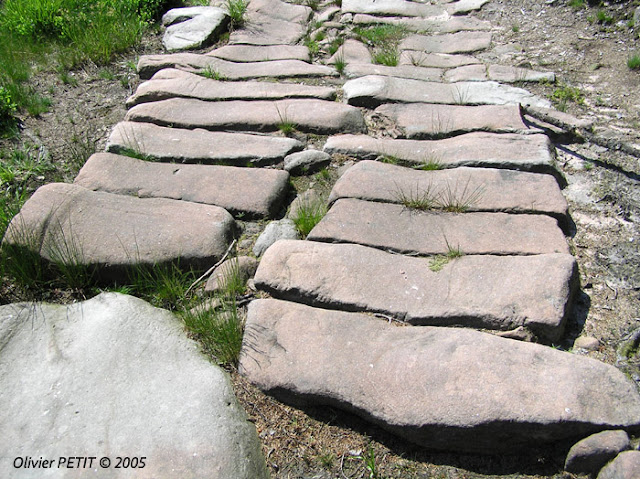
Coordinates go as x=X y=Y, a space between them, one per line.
x=193 y=27
x=443 y=388
x=114 y=377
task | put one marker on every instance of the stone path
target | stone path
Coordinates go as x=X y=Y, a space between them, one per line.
x=448 y=212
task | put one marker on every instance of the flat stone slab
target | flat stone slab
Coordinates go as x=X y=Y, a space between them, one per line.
x=461 y=42
x=450 y=25
x=148 y=65
x=507 y=150
x=493 y=292
x=464 y=6
x=352 y=51
x=313 y=116
x=250 y=192
x=199 y=146
x=114 y=376
x=193 y=27
x=116 y=232
x=430 y=121
x=355 y=70
x=272 y=22
x=435 y=60
x=442 y=388
x=393 y=227
x=373 y=90
x=173 y=83
x=400 y=8
x=504 y=74
x=279 y=10
x=260 y=53
x=504 y=191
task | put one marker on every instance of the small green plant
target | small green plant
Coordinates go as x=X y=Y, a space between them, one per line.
x=384 y=40
x=312 y=45
x=335 y=44
x=327 y=460
x=211 y=73
x=634 y=62
x=309 y=213
x=340 y=64
x=233 y=281
x=236 y=10
x=420 y=198
x=453 y=252
x=604 y=18
x=460 y=94
x=430 y=163
x=65 y=251
x=286 y=125
x=319 y=36
x=369 y=461
x=386 y=56
x=7 y=107
x=564 y=94
x=437 y=262
x=515 y=28
x=577 y=4
x=453 y=200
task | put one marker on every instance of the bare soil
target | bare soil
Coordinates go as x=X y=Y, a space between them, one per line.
x=603 y=192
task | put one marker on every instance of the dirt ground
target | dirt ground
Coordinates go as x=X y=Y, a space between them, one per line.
x=603 y=192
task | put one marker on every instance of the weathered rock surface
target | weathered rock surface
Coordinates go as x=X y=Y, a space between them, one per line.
x=261 y=53
x=254 y=192
x=275 y=231
x=412 y=231
x=517 y=152
x=115 y=374
x=461 y=390
x=394 y=8
x=625 y=466
x=240 y=268
x=500 y=73
x=592 y=453
x=502 y=190
x=424 y=120
x=495 y=292
x=313 y=116
x=69 y=223
x=148 y=65
x=193 y=27
x=307 y=161
x=372 y=90
x=402 y=71
x=461 y=42
x=272 y=22
x=352 y=51
x=435 y=60
x=173 y=83
x=450 y=25
x=464 y=6
x=199 y=146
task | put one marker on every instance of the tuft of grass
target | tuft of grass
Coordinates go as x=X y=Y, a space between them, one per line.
x=424 y=199
x=634 y=62
x=430 y=163
x=384 y=40
x=309 y=214
x=236 y=10
x=564 y=94
x=452 y=200
x=340 y=64
x=438 y=262
x=335 y=44
x=211 y=73
x=386 y=56
x=312 y=45
x=515 y=28
x=286 y=125
x=576 y=4
x=369 y=461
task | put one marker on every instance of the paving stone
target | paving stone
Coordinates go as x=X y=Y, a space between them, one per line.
x=199 y=146
x=115 y=232
x=461 y=42
x=394 y=8
x=373 y=90
x=254 y=192
x=402 y=71
x=467 y=73
x=450 y=25
x=494 y=292
x=193 y=27
x=148 y=65
x=115 y=374
x=435 y=60
x=411 y=231
x=510 y=151
x=279 y=10
x=241 y=268
x=464 y=6
x=508 y=74
x=173 y=83
x=280 y=230
x=261 y=53
x=313 y=116
x=352 y=51
x=424 y=121
x=461 y=390
x=592 y=453
x=307 y=161
x=625 y=466
x=505 y=191
x=263 y=30
x=328 y=14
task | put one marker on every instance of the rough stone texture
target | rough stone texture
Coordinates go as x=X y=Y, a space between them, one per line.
x=424 y=120
x=461 y=390
x=494 y=292
x=254 y=192
x=402 y=71
x=275 y=231
x=307 y=161
x=114 y=376
x=148 y=65
x=193 y=27
x=352 y=51
x=243 y=267
x=450 y=25
x=114 y=232
x=199 y=146
x=464 y=6
x=435 y=60
x=500 y=73
x=372 y=90
x=272 y=22
x=313 y=116
x=587 y=342
x=394 y=8
x=173 y=83
x=625 y=466
x=411 y=231
x=306 y=199
x=260 y=53
x=592 y=453
x=278 y=10
x=461 y=42
x=502 y=190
